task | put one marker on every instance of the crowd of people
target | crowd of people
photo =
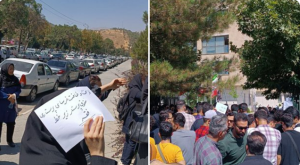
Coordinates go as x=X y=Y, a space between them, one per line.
x=203 y=136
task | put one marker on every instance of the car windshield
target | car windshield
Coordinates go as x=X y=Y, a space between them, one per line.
x=57 y=63
x=76 y=63
x=19 y=65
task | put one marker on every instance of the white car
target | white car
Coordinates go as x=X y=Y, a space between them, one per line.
x=93 y=64
x=35 y=77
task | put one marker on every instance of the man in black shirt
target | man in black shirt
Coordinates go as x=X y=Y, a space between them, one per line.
x=286 y=154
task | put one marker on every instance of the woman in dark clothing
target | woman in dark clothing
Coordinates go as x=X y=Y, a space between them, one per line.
x=135 y=94
x=9 y=91
x=142 y=154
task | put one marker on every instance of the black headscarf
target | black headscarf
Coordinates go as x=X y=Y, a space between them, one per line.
x=135 y=88
x=38 y=146
x=8 y=80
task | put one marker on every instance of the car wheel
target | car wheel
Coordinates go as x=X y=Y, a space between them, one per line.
x=32 y=96
x=55 y=88
x=67 y=82
x=98 y=70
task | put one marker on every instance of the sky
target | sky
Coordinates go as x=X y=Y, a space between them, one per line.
x=96 y=14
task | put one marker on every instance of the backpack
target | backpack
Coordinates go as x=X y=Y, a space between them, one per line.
x=124 y=107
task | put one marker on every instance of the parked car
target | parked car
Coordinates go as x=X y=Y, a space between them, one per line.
x=28 y=55
x=93 y=64
x=83 y=67
x=108 y=62
x=71 y=56
x=35 y=77
x=43 y=57
x=65 y=70
x=102 y=64
x=58 y=56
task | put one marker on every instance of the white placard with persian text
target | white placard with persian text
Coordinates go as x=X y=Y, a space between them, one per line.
x=65 y=115
x=221 y=108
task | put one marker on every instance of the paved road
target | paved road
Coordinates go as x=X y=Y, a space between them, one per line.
x=10 y=156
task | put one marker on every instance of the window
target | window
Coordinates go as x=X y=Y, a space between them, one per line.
x=216 y=45
x=40 y=70
x=48 y=70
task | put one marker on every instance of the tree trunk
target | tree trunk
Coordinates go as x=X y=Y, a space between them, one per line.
x=20 y=39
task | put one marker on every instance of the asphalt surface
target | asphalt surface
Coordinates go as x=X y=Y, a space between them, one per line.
x=10 y=156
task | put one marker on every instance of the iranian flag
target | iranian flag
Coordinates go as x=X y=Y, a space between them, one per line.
x=215 y=78
x=214 y=93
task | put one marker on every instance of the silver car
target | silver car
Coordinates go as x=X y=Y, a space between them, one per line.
x=35 y=77
x=93 y=64
x=102 y=64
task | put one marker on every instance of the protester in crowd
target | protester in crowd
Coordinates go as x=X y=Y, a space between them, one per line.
x=205 y=107
x=277 y=116
x=264 y=109
x=271 y=121
x=185 y=139
x=1 y=55
x=189 y=110
x=295 y=113
x=243 y=108
x=251 y=123
x=163 y=116
x=135 y=94
x=290 y=143
x=10 y=89
x=142 y=151
x=234 y=108
x=232 y=147
x=38 y=146
x=230 y=119
x=166 y=151
x=199 y=114
x=152 y=141
x=256 y=143
x=189 y=119
x=273 y=136
x=203 y=130
x=205 y=150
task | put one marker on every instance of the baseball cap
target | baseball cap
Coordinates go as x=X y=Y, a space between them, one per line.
x=209 y=114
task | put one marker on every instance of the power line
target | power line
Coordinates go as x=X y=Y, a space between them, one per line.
x=63 y=14
x=59 y=16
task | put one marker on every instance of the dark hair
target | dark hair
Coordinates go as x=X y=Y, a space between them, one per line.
x=256 y=142
x=250 y=119
x=261 y=114
x=199 y=107
x=206 y=107
x=163 y=116
x=287 y=119
x=277 y=115
x=165 y=130
x=243 y=107
x=271 y=118
x=152 y=122
x=189 y=109
x=179 y=119
x=234 y=107
x=240 y=117
x=264 y=109
x=293 y=111
x=230 y=114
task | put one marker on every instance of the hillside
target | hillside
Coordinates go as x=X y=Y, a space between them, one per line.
x=121 y=37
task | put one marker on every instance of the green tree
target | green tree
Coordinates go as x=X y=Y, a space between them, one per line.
x=271 y=60
x=174 y=30
x=140 y=48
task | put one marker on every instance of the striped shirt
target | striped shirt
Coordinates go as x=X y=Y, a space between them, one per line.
x=273 y=141
x=206 y=152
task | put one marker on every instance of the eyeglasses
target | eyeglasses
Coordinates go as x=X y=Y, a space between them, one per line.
x=231 y=121
x=241 y=128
